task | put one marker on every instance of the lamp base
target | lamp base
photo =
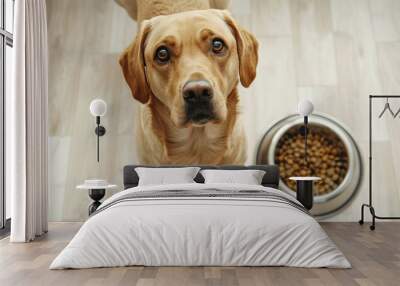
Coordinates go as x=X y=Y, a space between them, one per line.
x=96 y=195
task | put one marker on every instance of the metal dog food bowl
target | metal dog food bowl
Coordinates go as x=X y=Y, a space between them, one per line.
x=284 y=136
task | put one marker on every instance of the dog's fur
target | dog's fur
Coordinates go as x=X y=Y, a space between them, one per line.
x=140 y=10
x=165 y=135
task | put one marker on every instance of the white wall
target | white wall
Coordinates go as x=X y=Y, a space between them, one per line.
x=334 y=52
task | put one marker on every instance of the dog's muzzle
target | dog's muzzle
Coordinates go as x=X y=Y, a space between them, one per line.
x=198 y=101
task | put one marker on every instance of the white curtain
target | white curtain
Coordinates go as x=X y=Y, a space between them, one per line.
x=26 y=123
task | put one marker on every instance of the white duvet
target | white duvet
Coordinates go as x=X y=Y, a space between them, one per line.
x=192 y=231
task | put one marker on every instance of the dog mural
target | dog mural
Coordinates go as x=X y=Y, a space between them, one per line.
x=184 y=67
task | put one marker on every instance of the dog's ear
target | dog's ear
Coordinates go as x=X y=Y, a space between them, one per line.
x=247 y=46
x=133 y=65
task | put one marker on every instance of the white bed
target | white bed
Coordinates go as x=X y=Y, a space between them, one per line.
x=237 y=229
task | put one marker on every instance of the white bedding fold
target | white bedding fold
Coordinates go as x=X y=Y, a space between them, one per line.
x=181 y=231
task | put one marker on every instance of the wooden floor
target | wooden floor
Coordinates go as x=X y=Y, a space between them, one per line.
x=375 y=257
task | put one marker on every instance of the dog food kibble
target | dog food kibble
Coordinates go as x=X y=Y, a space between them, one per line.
x=327 y=157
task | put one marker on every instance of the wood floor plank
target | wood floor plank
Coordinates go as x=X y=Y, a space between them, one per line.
x=375 y=257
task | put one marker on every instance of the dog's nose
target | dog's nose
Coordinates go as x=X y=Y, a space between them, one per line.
x=197 y=90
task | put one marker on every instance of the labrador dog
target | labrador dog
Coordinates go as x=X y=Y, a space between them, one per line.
x=184 y=69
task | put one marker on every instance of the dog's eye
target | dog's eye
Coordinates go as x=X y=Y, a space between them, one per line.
x=162 y=55
x=218 y=46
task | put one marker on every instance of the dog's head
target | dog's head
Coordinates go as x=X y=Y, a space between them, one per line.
x=191 y=62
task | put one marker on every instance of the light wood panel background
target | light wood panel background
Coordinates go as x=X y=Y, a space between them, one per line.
x=333 y=52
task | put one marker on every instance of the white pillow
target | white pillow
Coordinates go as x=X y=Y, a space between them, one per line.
x=248 y=177
x=163 y=176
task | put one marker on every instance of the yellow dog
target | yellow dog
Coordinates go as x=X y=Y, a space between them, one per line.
x=184 y=69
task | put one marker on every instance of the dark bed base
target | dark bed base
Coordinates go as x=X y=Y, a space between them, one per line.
x=270 y=179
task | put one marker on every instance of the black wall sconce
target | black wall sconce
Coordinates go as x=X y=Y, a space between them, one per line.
x=98 y=108
x=305 y=108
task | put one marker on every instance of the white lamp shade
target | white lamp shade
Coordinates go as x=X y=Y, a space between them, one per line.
x=98 y=107
x=305 y=107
